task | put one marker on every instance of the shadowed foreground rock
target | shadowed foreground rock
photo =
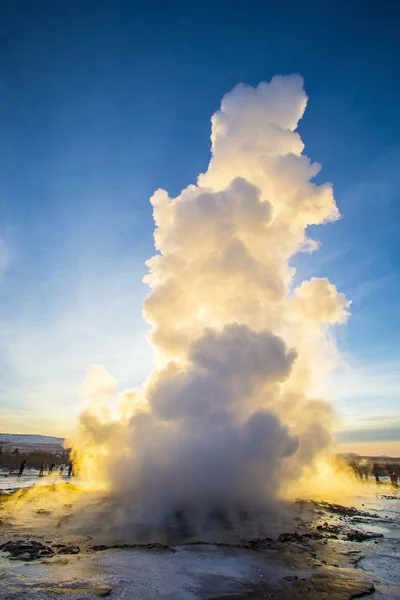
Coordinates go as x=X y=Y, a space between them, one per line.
x=322 y=586
x=150 y=546
x=27 y=550
x=316 y=557
x=360 y=536
x=30 y=550
x=59 y=591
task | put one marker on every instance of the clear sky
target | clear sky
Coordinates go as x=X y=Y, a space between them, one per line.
x=101 y=103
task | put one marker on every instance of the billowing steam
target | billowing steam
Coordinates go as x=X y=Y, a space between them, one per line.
x=230 y=415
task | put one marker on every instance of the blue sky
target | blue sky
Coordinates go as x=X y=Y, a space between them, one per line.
x=101 y=103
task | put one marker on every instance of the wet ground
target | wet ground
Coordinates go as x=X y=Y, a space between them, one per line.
x=11 y=482
x=318 y=551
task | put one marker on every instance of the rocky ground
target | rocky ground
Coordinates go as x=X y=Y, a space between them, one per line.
x=321 y=551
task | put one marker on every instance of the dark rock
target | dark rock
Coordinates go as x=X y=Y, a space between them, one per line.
x=344 y=511
x=26 y=550
x=99 y=548
x=360 y=536
x=329 y=528
x=150 y=546
x=66 y=590
x=64 y=549
x=258 y=543
x=299 y=537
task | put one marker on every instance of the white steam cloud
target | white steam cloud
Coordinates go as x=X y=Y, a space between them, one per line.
x=229 y=415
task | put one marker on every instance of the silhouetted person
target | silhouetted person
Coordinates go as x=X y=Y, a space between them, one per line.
x=375 y=471
x=70 y=470
x=62 y=470
x=51 y=468
x=22 y=468
x=42 y=468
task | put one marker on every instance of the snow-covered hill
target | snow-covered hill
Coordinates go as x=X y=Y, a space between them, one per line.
x=30 y=441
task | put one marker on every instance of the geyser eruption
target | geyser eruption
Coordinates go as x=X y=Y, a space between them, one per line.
x=231 y=413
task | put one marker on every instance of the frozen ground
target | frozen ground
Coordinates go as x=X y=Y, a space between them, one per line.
x=10 y=483
x=317 y=560
x=185 y=574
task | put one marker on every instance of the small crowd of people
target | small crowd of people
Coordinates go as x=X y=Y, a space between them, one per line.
x=43 y=467
x=394 y=478
x=362 y=471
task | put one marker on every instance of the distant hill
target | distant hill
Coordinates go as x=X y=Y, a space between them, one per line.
x=31 y=441
x=347 y=454
x=376 y=457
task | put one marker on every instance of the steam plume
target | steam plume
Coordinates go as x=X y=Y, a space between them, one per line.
x=229 y=414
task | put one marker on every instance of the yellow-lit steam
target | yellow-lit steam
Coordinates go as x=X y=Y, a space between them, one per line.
x=232 y=413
